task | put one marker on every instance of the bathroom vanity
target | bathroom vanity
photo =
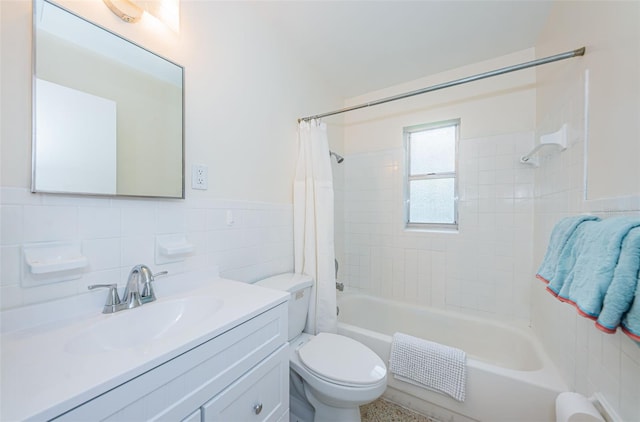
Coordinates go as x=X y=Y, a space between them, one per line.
x=207 y=349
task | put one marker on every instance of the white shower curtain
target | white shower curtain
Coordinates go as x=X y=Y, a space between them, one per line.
x=313 y=225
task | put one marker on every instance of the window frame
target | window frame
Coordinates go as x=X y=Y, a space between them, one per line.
x=408 y=178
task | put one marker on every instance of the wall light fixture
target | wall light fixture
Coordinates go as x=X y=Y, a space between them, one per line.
x=131 y=11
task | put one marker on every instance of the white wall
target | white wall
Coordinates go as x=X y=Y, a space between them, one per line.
x=611 y=35
x=243 y=95
x=482 y=269
x=589 y=360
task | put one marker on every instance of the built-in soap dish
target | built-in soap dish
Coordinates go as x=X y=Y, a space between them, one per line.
x=52 y=262
x=172 y=248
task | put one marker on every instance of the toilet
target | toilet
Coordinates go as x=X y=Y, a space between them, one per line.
x=331 y=375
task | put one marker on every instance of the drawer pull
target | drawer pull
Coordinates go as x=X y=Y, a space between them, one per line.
x=257 y=408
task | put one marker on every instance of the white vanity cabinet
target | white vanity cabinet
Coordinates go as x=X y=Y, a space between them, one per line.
x=239 y=375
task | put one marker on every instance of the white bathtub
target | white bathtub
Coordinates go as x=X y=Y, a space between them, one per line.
x=509 y=377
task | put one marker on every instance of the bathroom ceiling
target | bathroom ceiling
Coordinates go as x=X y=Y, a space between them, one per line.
x=361 y=46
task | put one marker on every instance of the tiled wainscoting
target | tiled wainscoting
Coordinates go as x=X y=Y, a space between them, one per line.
x=245 y=240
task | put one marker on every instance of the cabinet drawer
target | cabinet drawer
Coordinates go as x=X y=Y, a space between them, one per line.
x=262 y=394
x=174 y=389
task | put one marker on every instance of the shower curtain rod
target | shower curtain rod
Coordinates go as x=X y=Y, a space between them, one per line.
x=555 y=58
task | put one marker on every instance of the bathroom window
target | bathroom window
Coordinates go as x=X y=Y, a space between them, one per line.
x=430 y=177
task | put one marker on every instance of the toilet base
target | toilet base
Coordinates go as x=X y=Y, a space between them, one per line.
x=300 y=411
x=324 y=413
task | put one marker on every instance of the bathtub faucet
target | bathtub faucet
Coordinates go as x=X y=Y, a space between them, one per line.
x=339 y=286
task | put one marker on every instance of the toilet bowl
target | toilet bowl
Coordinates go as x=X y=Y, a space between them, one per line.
x=337 y=374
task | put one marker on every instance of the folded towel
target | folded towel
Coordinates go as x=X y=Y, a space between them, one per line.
x=561 y=234
x=596 y=252
x=432 y=365
x=621 y=292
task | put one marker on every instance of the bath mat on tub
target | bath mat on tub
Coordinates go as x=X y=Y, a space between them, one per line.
x=431 y=365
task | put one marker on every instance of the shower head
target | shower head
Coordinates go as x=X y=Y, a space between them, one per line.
x=339 y=158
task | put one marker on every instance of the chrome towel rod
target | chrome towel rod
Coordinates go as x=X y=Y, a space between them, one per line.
x=550 y=59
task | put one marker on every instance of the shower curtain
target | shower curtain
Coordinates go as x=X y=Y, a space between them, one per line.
x=313 y=224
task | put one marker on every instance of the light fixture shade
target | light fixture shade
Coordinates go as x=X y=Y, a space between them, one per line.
x=125 y=10
x=166 y=11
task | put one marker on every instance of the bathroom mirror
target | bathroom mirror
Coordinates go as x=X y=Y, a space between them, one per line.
x=107 y=113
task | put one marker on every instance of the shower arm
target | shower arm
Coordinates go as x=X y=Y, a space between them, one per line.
x=339 y=158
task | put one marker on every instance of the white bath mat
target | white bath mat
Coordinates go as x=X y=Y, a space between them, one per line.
x=431 y=365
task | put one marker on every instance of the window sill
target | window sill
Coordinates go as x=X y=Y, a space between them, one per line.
x=451 y=229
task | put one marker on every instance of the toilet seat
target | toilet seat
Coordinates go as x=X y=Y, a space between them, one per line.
x=354 y=364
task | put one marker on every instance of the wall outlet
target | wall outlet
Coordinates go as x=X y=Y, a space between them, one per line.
x=199 y=177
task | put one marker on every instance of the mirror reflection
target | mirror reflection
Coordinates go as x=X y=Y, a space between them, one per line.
x=107 y=114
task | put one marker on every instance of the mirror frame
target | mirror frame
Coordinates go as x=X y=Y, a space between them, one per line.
x=33 y=106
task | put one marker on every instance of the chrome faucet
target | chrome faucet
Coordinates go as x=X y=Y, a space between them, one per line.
x=139 y=290
x=131 y=297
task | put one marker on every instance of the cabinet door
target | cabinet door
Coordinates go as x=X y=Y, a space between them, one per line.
x=262 y=394
x=194 y=417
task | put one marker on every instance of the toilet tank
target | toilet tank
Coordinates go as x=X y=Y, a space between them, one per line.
x=299 y=287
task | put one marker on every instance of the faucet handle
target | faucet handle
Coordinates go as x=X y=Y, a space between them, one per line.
x=148 y=295
x=113 y=300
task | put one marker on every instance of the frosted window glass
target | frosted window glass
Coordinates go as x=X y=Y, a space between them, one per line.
x=432 y=201
x=433 y=151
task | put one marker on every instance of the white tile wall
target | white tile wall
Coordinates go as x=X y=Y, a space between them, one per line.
x=590 y=360
x=484 y=268
x=506 y=213
x=117 y=234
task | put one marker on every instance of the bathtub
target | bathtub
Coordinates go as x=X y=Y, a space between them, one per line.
x=509 y=376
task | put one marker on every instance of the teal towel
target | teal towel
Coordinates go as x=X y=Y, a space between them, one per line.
x=573 y=249
x=631 y=321
x=621 y=292
x=562 y=236
x=597 y=250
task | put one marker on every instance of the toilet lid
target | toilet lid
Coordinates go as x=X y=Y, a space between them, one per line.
x=342 y=360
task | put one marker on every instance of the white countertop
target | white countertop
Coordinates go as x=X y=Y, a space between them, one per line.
x=41 y=378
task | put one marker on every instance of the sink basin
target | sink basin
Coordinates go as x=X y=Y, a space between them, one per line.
x=134 y=327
